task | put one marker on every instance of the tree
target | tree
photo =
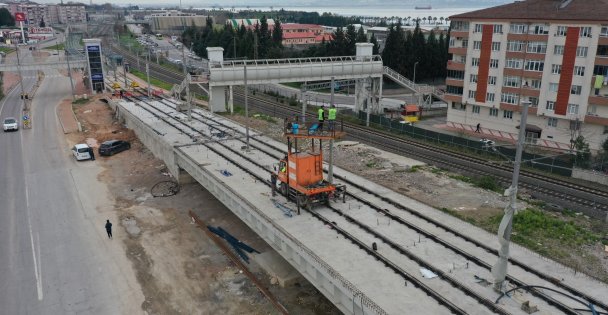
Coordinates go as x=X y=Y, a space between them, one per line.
x=361 y=38
x=351 y=41
x=376 y=47
x=6 y=19
x=583 y=154
x=277 y=34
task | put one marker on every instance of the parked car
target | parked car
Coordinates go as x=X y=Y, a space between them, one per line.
x=487 y=142
x=10 y=123
x=112 y=147
x=81 y=152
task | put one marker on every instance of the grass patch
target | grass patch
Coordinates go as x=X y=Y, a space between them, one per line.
x=485 y=182
x=81 y=101
x=459 y=215
x=415 y=168
x=6 y=50
x=296 y=85
x=57 y=47
x=265 y=118
x=155 y=82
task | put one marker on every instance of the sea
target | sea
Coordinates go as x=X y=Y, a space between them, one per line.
x=364 y=11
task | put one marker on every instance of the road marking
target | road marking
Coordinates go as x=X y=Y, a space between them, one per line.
x=36 y=269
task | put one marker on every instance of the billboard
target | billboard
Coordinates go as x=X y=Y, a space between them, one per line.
x=40 y=30
x=19 y=16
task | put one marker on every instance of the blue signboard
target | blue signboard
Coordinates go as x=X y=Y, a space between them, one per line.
x=93 y=48
x=97 y=77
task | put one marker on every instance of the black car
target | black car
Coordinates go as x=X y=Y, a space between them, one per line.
x=112 y=147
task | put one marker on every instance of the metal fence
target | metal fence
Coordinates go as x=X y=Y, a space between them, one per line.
x=555 y=165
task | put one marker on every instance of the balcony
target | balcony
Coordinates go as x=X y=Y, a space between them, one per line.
x=532 y=110
x=596 y=120
x=601 y=60
x=457 y=50
x=452 y=97
x=603 y=40
x=459 y=33
x=528 y=37
x=598 y=100
x=455 y=65
x=454 y=82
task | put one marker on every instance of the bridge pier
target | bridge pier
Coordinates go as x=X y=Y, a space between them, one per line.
x=217 y=94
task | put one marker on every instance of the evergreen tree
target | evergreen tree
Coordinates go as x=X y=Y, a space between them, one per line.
x=351 y=41
x=361 y=38
x=6 y=19
x=376 y=47
x=277 y=34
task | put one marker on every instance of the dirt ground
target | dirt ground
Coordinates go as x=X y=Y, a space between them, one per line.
x=180 y=269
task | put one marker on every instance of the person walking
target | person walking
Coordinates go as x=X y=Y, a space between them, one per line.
x=109 y=228
x=273 y=183
x=92 y=154
x=478 y=128
x=321 y=117
x=331 y=117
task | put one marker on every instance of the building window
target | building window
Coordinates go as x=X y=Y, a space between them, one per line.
x=452 y=41
x=511 y=81
x=472 y=93
x=498 y=28
x=573 y=109
x=533 y=101
x=494 y=112
x=475 y=62
x=478 y=28
x=507 y=114
x=553 y=87
x=459 y=106
x=476 y=109
x=540 y=29
x=465 y=43
x=561 y=31
x=462 y=59
x=552 y=122
x=515 y=45
x=457 y=90
x=576 y=90
x=535 y=65
x=537 y=47
x=509 y=98
x=473 y=78
x=585 y=31
x=558 y=50
x=455 y=74
x=604 y=31
x=495 y=46
x=556 y=69
x=581 y=51
x=493 y=63
x=514 y=63
x=579 y=70
x=550 y=106
x=476 y=45
x=518 y=28
x=491 y=80
x=489 y=97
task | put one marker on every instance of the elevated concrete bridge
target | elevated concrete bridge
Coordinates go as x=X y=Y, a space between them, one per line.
x=35 y=66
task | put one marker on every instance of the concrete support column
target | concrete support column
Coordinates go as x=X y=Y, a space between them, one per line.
x=362 y=91
x=217 y=96
x=231 y=99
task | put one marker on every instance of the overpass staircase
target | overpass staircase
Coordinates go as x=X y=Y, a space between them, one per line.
x=424 y=91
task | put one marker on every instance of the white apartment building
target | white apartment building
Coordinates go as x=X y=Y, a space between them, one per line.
x=551 y=54
x=50 y=13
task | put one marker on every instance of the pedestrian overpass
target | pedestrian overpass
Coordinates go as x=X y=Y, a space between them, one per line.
x=365 y=67
x=77 y=62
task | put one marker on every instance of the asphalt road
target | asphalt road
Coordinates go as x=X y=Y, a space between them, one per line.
x=54 y=255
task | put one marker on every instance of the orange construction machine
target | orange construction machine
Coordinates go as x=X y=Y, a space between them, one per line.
x=300 y=172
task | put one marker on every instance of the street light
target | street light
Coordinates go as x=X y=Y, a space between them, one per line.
x=415 y=64
x=499 y=270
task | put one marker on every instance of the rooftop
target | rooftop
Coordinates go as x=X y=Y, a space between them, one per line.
x=578 y=10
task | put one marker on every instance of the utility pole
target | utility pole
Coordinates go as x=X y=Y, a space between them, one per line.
x=330 y=171
x=369 y=101
x=499 y=270
x=187 y=78
x=246 y=106
x=21 y=79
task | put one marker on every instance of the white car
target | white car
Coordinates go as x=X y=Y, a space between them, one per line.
x=81 y=152
x=487 y=142
x=10 y=123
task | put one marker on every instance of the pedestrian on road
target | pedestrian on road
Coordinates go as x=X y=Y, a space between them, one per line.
x=109 y=228
x=92 y=154
x=478 y=128
x=273 y=183
x=321 y=117
x=332 y=117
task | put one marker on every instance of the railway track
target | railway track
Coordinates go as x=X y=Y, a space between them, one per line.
x=381 y=205
x=588 y=198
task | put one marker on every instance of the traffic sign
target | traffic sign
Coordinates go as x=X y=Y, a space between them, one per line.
x=26 y=117
x=19 y=16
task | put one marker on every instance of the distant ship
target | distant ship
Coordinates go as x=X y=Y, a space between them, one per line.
x=423 y=8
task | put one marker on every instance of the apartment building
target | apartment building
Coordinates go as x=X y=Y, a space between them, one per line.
x=49 y=13
x=550 y=54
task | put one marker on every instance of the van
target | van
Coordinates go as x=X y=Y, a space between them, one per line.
x=81 y=152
